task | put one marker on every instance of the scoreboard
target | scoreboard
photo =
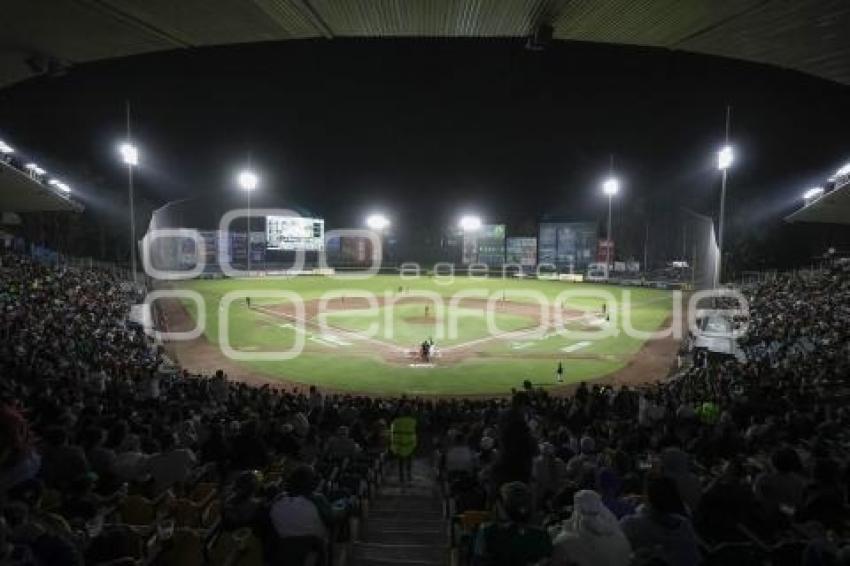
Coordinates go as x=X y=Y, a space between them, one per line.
x=295 y=233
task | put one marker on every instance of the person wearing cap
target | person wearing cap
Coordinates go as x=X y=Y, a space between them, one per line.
x=511 y=540
x=403 y=442
x=591 y=536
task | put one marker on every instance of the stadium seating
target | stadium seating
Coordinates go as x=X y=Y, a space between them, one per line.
x=727 y=462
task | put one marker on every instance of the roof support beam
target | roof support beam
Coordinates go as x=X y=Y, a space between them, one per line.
x=105 y=7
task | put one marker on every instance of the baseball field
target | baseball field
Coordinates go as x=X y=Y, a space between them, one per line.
x=366 y=335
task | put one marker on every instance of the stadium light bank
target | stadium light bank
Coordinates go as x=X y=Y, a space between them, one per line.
x=248 y=181
x=812 y=195
x=470 y=223
x=130 y=157
x=377 y=222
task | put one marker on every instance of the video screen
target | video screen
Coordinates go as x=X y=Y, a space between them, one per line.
x=295 y=233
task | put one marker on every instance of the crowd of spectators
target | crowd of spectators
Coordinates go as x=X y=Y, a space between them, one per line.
x=730 y=460
x=747 y=457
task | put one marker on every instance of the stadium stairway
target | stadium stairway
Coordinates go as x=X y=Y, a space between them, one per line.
x=405 y=524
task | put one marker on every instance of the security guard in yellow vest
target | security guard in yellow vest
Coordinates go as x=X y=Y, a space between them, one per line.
x=403 y=442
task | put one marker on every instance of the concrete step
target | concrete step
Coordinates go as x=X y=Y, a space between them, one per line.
x=414 y=515
x=363 y=552
x=403 y=507
x=387 y=532
x=403 y=522
x=431 y=537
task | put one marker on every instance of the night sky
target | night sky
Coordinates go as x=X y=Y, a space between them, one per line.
x=426 y=129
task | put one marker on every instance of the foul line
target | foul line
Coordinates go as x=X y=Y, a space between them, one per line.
x=350 y=333
x=356 y=336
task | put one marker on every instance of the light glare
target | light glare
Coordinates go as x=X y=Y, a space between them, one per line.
x=377 y=222
x=611 y=186
x=248 y=180
x=35 y=169
x=5 y=148
x=470 y=223
x=59 y=185
x=129 y=153
x=813 y=193
x=725 y=157
x=844 y=170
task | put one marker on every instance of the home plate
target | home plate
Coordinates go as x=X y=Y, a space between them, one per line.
x=575 y=347
x=421 y=365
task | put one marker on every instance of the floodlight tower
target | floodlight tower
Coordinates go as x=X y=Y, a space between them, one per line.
x=725 y=158
x=130 y=157
x=378 y=223
x=248 y=181
x=470 y=224
x=611 y=186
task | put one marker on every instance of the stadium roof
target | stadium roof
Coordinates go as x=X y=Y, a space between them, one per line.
x=831 y=208
x=21 y=193
x=45 y=37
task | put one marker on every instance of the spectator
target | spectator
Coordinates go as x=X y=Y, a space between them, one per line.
x=609 y=486
x=301 y=512
x=548 y=472
x=781 y=488
x=61 y=462
x=18 y=459
x=171 y=465
x=243 y=507
x=403 y=444
x=584 y=463
x=591 y=536
x=658 y=529
x=512 y=540
x=459 y=457
x=340 y=445
x=675 y=465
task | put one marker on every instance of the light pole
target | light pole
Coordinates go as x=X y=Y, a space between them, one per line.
x=130 y=156
x=610 y=187
x=471 y=224
x=378 y=223
x=248 y=181
x=725 y=157
x=724 y=160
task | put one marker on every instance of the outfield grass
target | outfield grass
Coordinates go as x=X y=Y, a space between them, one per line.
x=492 y=367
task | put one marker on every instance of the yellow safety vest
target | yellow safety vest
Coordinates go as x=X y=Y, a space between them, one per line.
x=403 y=436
